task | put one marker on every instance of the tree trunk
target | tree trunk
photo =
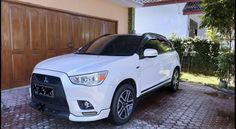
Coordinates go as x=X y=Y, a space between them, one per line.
x=228 y=78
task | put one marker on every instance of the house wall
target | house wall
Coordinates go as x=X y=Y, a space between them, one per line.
x=97 y=8
x=164 y=20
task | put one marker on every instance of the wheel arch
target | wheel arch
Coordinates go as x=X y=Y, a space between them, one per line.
x=125 y=81
x=130 y=81
x=178 y=68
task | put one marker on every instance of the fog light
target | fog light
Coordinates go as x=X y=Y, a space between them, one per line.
x=89 y=113
x=85 y=105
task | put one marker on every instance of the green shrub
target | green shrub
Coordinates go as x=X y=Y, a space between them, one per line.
x=204 y=62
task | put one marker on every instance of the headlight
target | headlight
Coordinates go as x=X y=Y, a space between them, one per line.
x=91 y=79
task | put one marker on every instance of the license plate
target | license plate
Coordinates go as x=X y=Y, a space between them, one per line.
x=43 y=90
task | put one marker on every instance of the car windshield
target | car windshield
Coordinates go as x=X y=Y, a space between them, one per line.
x=112 y=46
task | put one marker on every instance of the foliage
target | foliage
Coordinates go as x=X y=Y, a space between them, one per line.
x=226 y=65
x=219 y=15
x=212 y=35
x=204 y=62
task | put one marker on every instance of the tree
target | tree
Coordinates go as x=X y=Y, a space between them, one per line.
x=219 y=16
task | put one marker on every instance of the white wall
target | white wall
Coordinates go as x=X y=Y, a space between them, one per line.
x=164 y=20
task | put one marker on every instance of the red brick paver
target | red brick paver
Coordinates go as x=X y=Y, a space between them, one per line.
x=192 y=107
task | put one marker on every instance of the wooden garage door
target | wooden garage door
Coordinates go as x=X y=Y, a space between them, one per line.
x=31 y=34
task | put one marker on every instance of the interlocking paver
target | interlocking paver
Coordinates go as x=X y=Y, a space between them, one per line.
x=192 y=107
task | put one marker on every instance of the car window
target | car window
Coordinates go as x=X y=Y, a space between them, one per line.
x=167 y=44
x=112 y=46
x=160 y=45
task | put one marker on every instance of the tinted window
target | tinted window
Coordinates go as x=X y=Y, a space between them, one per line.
x=161 y=46
x=112 y=46
x=167 y=44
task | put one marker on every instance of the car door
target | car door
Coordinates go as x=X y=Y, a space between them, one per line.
x=168 y=58
x=151 y=68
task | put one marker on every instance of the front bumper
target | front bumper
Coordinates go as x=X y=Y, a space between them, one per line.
x=52 y=111
x=99 y=96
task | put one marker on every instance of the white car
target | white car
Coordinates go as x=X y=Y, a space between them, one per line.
x=105 y=77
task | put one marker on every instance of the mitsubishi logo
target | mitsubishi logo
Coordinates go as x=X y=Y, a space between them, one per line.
x=46 y=79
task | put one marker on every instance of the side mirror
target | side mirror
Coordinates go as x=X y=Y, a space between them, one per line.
x=150 y=53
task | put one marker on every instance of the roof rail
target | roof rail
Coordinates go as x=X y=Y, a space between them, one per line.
x=104 y=35
x=101 y=36
x=153 y=35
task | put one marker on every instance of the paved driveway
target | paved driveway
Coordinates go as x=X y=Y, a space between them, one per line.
x=193 y=106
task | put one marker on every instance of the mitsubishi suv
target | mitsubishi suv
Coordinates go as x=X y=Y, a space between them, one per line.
x=105 y=77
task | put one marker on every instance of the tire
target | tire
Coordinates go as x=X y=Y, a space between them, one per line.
x=123 y=104
x=175 y=80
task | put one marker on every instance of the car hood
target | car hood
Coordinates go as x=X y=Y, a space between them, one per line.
x=73 y=64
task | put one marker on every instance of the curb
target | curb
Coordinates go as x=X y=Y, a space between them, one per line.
x=227 y=91
x=17 y=88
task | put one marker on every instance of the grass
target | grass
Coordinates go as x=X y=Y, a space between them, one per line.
x=203 y=79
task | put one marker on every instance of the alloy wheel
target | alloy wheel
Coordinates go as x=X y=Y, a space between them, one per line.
x=125 y=104
x=176 y=80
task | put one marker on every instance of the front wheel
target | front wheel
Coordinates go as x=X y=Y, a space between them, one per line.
x=175 y=80
x=123 y=104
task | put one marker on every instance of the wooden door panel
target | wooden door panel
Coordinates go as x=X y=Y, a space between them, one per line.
x=6 y=70
x=105 y=27
x=51 y=54
x=86 y=30
x=53 y=27
x=35 y=58
x=113 y=27
x=19 y=64
x=19 y=44
x=35 y=29
x=17 y=28
x=36 y=38
x=91 y=29
x=96 y=29
x=66 y=44
x=76 y=32
x=109 y=29
x=52 y=33
x=103 y=30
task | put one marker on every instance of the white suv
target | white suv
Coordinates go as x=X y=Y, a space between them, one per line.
x=105 y=77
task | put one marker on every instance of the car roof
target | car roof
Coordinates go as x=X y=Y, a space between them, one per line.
x=148 y=35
